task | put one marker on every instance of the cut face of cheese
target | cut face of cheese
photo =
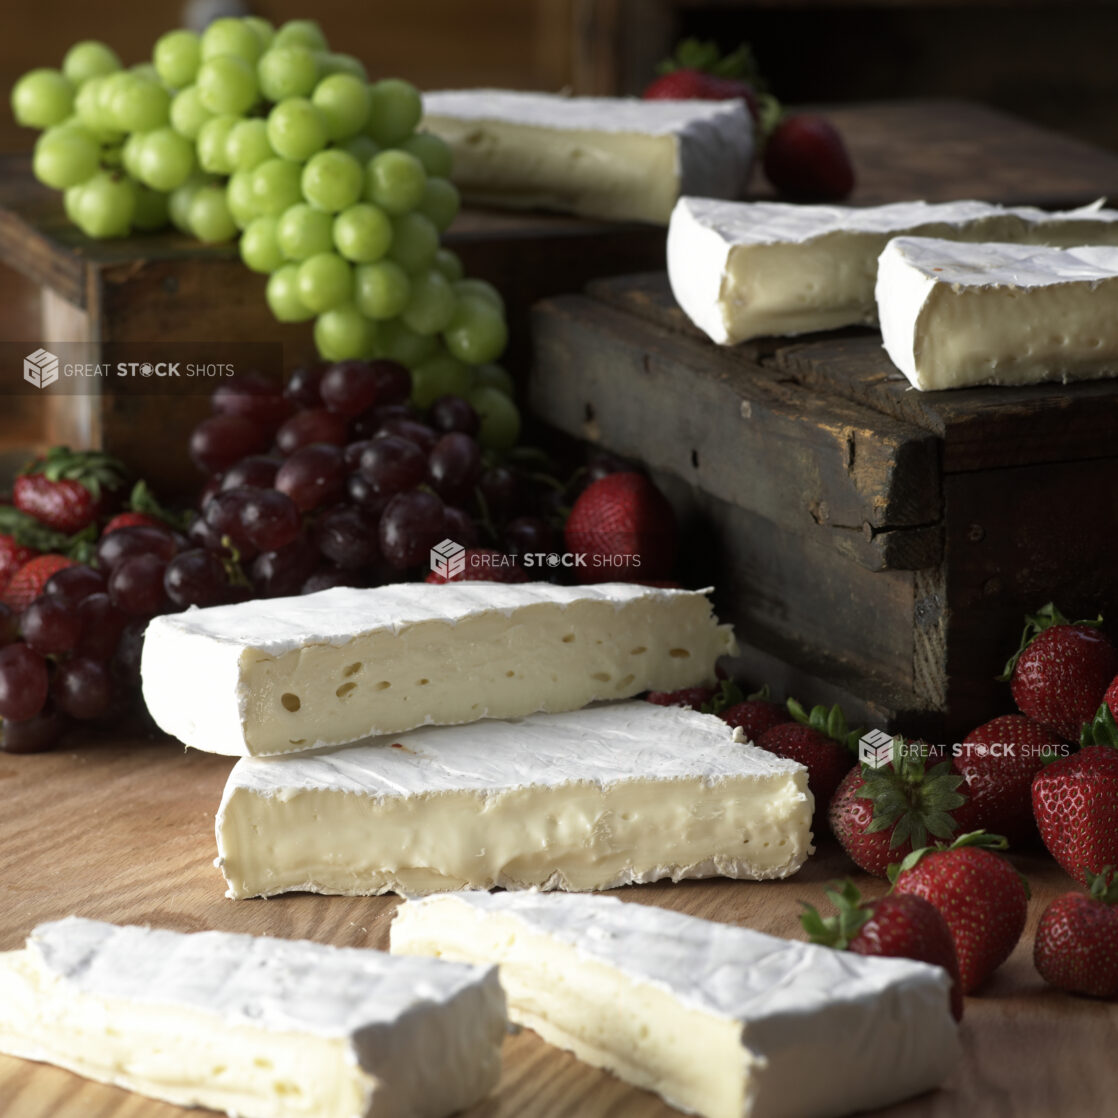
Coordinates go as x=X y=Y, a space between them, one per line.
x=604 y=157
x=256 y=1027
x=958 y=315
x=291 y=674
x=742 y=270
x=627 y=792
x=720 y=1021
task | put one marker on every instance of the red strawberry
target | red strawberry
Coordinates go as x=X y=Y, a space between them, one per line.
x=982 y=897
x=1061 y=671
x=22 y=537
x=623 y=527
x=821 y=742
x=806 y=160
x=694 y=697
x=66 y=490
x=484 y=564
x=755 y=716
x=998 y=761
x=1076 y=946
x=13 y=555
x=1075 y=802
x=905 y=927
x=28 y=582
x=698 y=73
x=880 y=814
x=131 y=520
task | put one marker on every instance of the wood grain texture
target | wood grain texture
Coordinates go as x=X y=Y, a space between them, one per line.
x=123 y=831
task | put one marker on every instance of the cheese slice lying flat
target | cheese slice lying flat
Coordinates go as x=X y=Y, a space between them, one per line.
x=614 y=794
x=599 y=156
x=957 y=315
x=718 y=1020
x=741 y=270
x=290 y=674
x=261 y=1028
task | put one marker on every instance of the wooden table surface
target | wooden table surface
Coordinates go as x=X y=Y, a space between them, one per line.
x=124 y=832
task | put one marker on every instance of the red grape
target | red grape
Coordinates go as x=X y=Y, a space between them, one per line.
x=452 y=413
x=369 y=422
x=454 y=466
x=205 y=535
x=349 y=388
x=102 y=624
x=9 y=625
x=308 y=427
x=280 y=574
x=136 y=585
x=72 y=585
x=353 y=452
x=23 y=682
x=460 y=527
x=225 y=515
x=313 y=476
x=50 y=625
x=254 y=397
x=270 y=519
x=529 y=534
x=347 y=537
x=216 y=443
x=392 y=464
x=328 y=577
x=360 y=491
x=142 y=539
x=393 y=381
x=412 y=524
x=196 y=578
x=35 y=734
x=82 y=688
x=212 y=486
x=419 y=433
x=257 y=471
x=501 y=490
x=302 y=387
x=126 y=660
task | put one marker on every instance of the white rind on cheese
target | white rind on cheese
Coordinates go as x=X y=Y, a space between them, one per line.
x=959 y=315
x=607 y=796
x=290 y=674
x=619 y=158
x=720 y=1021
x=742 y=270
x=256 y=1027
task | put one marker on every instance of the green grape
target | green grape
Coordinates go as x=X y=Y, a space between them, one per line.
x=415 y=240
x=177 y=56
x=178 y=203
x=130 y=153
x=287 y=72
x=66 y=156
x=432 y=151
x=151 y=209
x=282 y=295
x=494 y=376
x=107 y=89
x=479 y=289
x=332 y=180
x=210 y=219
x=165 y=159
x=227 y=84
x=333 y=63
x=43 y=98
x=325 y=281
x=146 y=72
x=240 y=199
x=301 y=33
x=395 y=180
x=500 y=420
x=381 y=290
x=432 y=304
x=89 y=59
x=440 y=375
x=343 y=100
x=449 y=264
x=397 y=342
x=71 y=199
x=362 y=148
x=362 y=233
x=263 y=29
x=259 y=248
x=246 y=146
x=296 y=129
x=229 y=36
x=87 y=103
x=396 y=110
x=188 y=114
x=304 y=231
x=139 y=105
x=477 y=333
x=111 y=154
x=275 y=186
x=106 y=205
x=440 y=202
x=344 y=334
x=213 y=144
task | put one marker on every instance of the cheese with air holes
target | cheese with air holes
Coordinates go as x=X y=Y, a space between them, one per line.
x=720 y=1021
x=591 y=799
x=256 y=1027
x=291 y=674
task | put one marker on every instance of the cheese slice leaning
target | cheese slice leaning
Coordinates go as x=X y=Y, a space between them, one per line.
x=958 y=315
x=742 y=270
x=256 y=1027
x=289 y=674
x=606 y=796
x=608 y=157
x=720 y=1021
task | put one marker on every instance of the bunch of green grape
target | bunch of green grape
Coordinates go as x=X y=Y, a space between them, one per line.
x=264 y=134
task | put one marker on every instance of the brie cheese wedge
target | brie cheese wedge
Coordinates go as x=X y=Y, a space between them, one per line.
x=959 y=315
x=742 y=270
x=614 y=794
x=256 y=1027
x=718 y=1020
x=618 y=158
x=284 y=675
